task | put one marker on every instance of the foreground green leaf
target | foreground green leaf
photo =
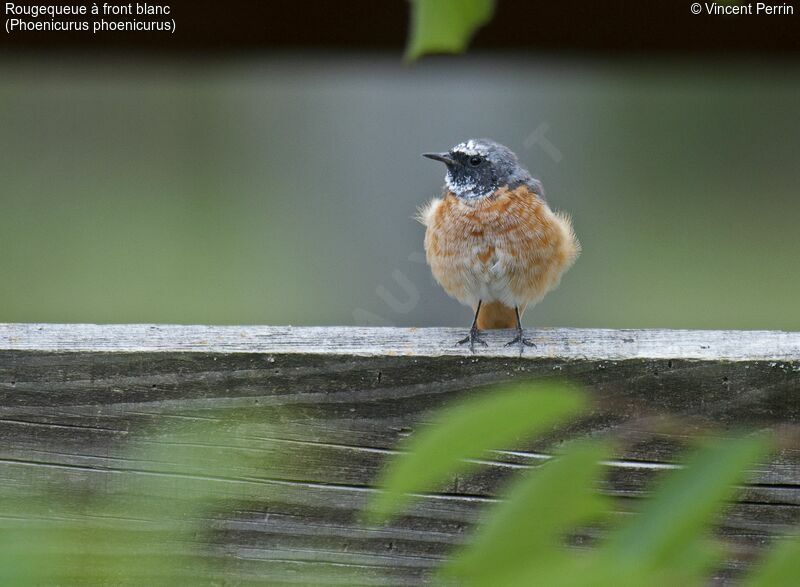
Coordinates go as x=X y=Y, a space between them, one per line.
x=468 y=430
x=445 y=26
x=144 y=525
x=780 y=567
x=523 y=536
x=665 y=534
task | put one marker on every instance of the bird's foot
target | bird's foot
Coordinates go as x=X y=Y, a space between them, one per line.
x=521 y=341
x=474 y=336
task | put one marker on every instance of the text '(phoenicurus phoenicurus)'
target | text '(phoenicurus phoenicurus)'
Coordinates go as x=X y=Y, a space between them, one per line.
x=492 y=241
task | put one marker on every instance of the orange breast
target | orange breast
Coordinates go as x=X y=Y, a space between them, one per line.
x=508 y=248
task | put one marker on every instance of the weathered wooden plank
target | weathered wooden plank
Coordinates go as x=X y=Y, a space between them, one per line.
x=313 y=414
x=564 y=343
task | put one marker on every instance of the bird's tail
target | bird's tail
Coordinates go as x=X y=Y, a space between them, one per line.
x=497 y=315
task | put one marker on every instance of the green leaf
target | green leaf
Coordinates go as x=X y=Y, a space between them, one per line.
x=522 y=537
x=780 y=567
x=664 y=533
x=445 y=26
x=488 y=421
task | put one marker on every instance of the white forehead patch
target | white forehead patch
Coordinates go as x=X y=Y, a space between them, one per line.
x=469 y=148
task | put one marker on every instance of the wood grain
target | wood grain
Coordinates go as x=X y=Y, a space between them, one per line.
x=563 y=343
x=311 y=414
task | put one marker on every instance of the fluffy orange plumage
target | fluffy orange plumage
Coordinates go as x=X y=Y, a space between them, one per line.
x=508 y=250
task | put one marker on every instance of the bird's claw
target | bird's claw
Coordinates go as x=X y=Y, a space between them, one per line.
x=474 y=336
x=522 y=341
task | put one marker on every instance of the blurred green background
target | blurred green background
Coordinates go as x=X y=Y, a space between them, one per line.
x=281 y=190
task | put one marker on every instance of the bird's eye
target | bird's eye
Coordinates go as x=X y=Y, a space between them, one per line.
x=475 y=161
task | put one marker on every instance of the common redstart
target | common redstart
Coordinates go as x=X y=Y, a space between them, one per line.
x=492 y=241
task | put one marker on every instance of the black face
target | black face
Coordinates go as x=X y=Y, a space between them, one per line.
x=476 y=168
x=472 y=175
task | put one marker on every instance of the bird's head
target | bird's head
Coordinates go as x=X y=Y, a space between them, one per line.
x=478 y=167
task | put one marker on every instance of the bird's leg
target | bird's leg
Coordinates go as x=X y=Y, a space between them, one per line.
x=523 y=342
x=474 y=333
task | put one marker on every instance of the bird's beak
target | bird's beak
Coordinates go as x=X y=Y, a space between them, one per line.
x=443 y=157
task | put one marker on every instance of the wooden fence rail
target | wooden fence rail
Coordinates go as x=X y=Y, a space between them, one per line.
x=336 y=401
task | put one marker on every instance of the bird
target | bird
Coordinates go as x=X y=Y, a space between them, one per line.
x=491 y=240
